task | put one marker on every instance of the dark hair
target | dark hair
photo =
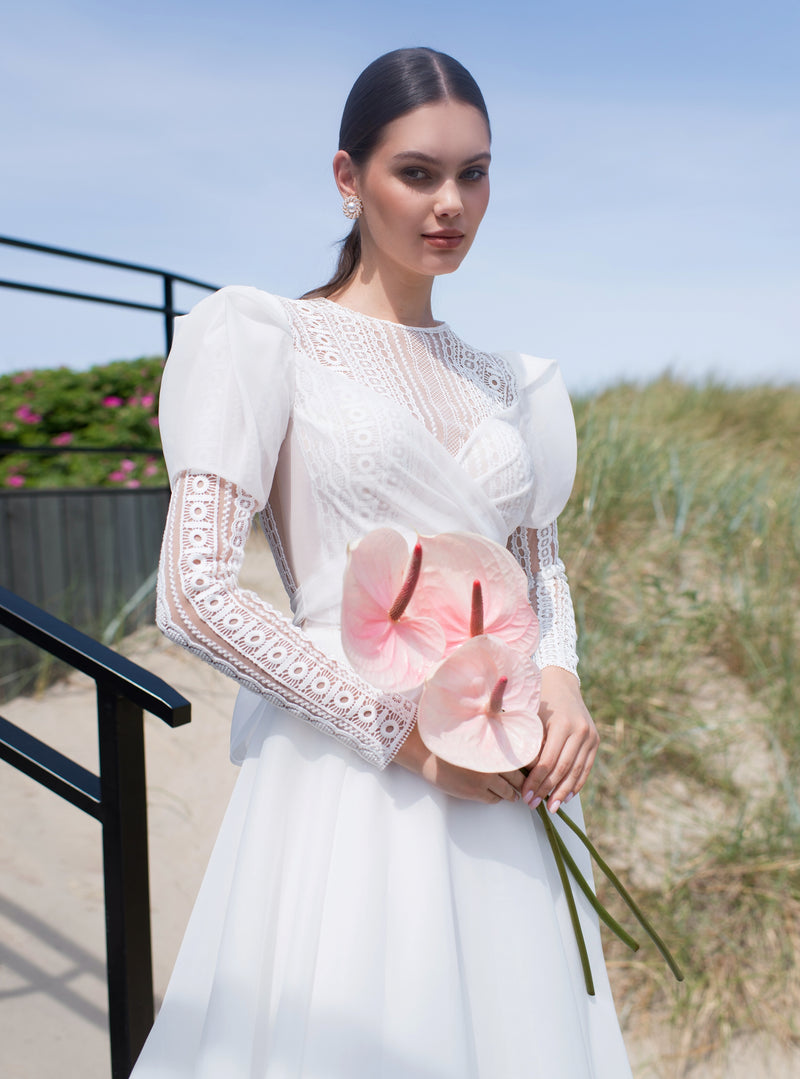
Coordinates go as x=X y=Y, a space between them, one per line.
x=390 y=87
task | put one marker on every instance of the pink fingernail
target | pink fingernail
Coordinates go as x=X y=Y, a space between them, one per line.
x=569 y=798
x=529 y=797
x=536 y=803
x=554 y=806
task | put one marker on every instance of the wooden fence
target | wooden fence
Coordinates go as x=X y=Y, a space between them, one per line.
x=87 y=556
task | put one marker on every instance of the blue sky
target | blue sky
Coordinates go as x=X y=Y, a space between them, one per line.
x=644 y=211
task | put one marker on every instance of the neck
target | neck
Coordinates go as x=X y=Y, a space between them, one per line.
x=395 y=297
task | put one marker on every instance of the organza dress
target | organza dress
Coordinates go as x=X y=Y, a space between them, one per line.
x=355 y=921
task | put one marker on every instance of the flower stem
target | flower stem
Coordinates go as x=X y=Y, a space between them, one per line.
x=586 y=888
x=573 y=910
x=643 y=920
x=409 y=584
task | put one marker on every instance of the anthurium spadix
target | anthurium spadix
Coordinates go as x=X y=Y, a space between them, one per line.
x=479 y=708
x=389 y=633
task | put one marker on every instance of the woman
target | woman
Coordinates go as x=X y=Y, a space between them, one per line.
x=365 y=911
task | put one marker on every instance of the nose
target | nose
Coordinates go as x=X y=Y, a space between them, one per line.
x=448 y=200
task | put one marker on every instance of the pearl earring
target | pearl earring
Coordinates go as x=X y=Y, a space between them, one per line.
x=352 y=207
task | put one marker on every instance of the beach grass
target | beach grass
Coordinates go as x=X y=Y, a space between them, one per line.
x=682 y=541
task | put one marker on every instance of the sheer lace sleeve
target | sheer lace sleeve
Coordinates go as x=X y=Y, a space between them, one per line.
x=536 y=550
x=201 y=606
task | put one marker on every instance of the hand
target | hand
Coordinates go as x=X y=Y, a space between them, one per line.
x=570 y=742
x=487 y=787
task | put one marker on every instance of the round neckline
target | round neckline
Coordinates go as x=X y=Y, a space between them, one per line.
x=385 y=321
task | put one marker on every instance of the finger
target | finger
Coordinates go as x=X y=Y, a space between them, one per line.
x=541 y=777
x=587 y=767
x=516 y=779
x=500 y=786
x=562 y=777
x=572 y=782
x=557 y=762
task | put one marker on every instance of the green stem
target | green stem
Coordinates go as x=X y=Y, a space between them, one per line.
x=586 y=888
x=612 y=876
x=573 y=910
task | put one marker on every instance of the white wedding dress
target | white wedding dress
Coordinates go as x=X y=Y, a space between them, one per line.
x=355 y=922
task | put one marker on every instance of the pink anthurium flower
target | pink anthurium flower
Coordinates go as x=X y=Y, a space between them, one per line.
x=479 y=708
x=453 y=562
x=386 y=637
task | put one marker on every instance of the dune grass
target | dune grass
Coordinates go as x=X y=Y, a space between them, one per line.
x=682 y=539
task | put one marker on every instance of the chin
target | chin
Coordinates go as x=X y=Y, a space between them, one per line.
x=447 y=265
x=444 y=270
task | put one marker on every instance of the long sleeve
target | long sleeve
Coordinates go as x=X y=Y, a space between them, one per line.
x=201 y=606
x=536 y=550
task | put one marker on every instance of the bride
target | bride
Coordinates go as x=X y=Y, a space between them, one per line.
x=370 y=910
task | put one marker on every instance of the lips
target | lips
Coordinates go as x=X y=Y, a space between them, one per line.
x=444 y=238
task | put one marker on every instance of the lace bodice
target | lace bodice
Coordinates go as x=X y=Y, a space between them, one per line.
x=448 y=386
x=329 y=424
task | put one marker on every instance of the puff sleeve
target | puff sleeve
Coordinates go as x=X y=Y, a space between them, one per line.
x=228 y=388
x=547 y=425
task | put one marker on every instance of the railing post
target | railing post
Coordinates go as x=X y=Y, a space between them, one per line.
x=125 y=870
x=169 y=312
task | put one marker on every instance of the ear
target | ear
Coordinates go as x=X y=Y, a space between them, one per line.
x=345 y=173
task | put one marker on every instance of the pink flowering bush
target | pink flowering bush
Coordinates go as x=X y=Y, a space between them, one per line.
x=24 y=415
x=111 y=405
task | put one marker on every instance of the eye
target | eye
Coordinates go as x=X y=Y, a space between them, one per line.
x=474 y=174
x=415 y=174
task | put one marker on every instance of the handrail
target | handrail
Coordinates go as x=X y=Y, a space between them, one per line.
x=169 y=279
x=101 y=663
x=117 y=798
x=102 y=260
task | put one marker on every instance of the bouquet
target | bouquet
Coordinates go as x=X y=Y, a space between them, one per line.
x=453 y=618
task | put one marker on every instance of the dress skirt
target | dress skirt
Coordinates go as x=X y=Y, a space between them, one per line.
x=357 y=924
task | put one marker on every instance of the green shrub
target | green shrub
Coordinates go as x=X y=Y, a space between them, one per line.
x=114 y=404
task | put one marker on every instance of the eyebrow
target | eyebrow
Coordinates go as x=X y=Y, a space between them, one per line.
x=418 y=155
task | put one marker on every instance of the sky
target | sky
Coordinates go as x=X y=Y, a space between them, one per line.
x=646 y=167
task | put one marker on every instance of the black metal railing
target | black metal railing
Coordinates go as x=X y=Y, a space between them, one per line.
x=116 y=797
x=169 y=280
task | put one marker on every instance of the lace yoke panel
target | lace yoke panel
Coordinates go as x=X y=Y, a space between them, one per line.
x=449 y=387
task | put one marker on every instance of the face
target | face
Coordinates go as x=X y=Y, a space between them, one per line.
x=424 y=189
